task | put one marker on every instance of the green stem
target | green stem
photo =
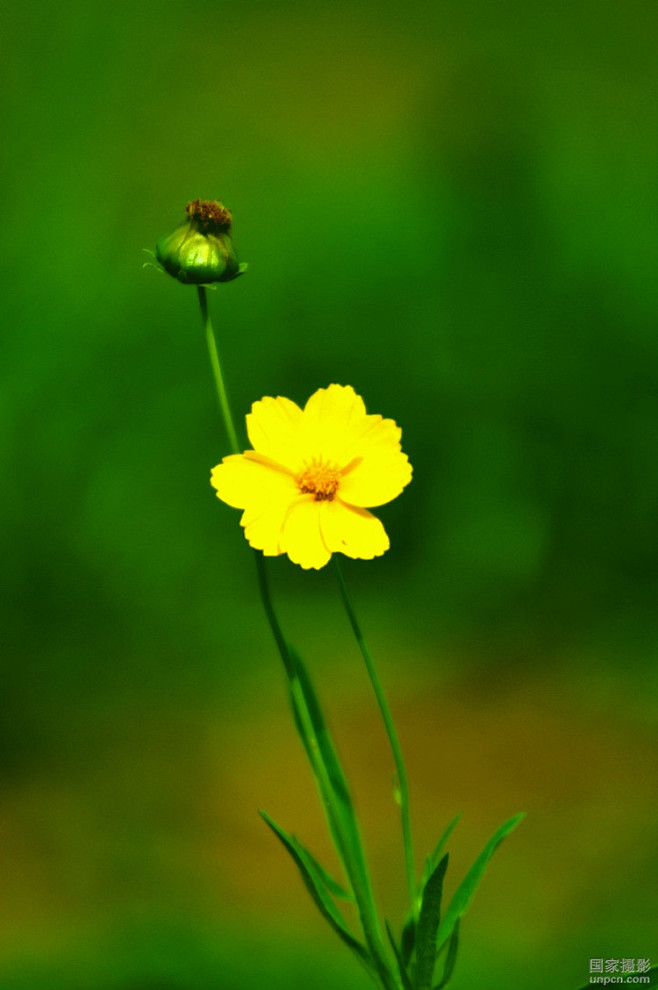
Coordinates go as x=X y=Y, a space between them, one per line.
x=355 y=868
x=225 y=409
x=352 y=858
x=272 y=618
x=390 y=731
x=217 y=371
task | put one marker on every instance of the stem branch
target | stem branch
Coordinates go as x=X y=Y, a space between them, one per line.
x=390 y=731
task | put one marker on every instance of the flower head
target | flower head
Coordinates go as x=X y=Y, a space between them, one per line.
x=305 y=487
x=201 y=250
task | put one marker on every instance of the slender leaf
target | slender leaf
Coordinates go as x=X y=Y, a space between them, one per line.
x=409 y=930
x=317 y=890
x=319 y=744
x=338 y=806
x=408 y=940
x=329 y=774
x=404 y=976
x=332 y=885
x=451 y=958
x=434 y=858
x=463 y=895
x=428 y=926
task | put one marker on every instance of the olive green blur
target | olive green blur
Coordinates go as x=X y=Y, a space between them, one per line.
x=451 y=206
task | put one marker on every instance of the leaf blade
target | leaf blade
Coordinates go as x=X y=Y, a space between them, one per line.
x=338 y=805
x=428 y=926
x=320 y=896
x=402 y=969
x=326 y=766
x=464 y=893
x=451 y=958
x=333 y=887
x=434 y=858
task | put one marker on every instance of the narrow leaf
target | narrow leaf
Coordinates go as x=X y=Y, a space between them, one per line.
x=428 y=926
x=326 y=766
x=338 y=804
x=434 y=858
x=463 y=895
x=408 y=940
x=409 y=930
x=319 y=894
x=312 y=728
x=332 y=885
x=451 y=958
x=404 y=976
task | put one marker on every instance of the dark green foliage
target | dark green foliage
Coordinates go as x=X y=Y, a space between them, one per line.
x=402 y=969
x=318 y=888
x=450 y=958
x=408 y=940
x=428 y=926
x=462 y=898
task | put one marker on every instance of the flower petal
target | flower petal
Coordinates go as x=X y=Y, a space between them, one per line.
x=352 y=531
x=302 y=539
x=337 y=429
x=263 y=526
x=380 y=473
x=273 y=427
x=243 y=481
x=330 y=419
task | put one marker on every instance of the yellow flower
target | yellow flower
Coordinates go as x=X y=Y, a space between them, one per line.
x=305 y=486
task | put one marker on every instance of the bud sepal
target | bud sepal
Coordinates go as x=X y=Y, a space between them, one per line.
x=200 y=251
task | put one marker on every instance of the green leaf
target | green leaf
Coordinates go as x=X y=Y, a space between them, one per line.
x=434 y=858
x=402 y=969
x=409 y=930
x=451 y=958
x=463 y=895
x=317 y=742
x=307 y=868
x=337 y=803
x=328 y=771
x=428 y=926
x=653 y=979
x=408 y=940
x=333 y=887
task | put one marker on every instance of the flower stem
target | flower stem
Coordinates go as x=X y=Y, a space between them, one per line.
x=225 y=408
x=350 y=853
x=217 y=371
x=352 y=856
x=401 y=774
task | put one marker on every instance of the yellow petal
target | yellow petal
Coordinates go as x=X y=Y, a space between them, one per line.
x=273 y=428
x=330 y=419
x=352 y=531
x=302 y=539
x=243 y=480
x=337 y=402
x=380 y=474
x=263 y=526
x=337 y=430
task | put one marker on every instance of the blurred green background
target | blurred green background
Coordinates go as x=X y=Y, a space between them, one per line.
x=452 y=207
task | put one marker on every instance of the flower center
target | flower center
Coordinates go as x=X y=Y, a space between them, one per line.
x=320 y=481
x=210 y=215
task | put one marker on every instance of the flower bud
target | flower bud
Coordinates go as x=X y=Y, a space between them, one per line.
x=201 y=250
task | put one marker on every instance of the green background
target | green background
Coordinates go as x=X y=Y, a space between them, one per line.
x=452 y=207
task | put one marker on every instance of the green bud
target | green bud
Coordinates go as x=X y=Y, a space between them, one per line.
x=201 y=250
